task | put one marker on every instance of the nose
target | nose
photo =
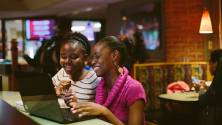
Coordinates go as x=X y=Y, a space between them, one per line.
x=94 y=61
x=68 y=60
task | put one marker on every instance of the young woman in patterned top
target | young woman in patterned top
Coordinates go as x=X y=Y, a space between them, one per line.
x=75 y=79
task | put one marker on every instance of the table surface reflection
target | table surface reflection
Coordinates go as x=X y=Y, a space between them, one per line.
x=183 y=97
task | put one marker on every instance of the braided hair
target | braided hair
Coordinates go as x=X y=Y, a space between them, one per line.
x=79 y=38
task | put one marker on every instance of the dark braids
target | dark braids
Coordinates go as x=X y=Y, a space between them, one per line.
x=113 y=43
x=77 y=37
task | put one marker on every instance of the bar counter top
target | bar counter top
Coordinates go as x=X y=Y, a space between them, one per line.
x=12 y=98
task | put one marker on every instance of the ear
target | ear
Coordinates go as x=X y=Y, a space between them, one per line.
x=86 y=58
x=115 y=56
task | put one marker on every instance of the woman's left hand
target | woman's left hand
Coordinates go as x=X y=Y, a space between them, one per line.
x=88 y=109
x=70 y=98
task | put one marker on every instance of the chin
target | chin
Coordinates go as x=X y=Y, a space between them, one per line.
x=98 y=74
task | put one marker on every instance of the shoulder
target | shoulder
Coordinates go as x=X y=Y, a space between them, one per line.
x=91 y=78
x=134 y=91
x=133 y=84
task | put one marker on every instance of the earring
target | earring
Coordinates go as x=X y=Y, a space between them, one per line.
x=115 y=64
x=120 y=70
x=85 y=63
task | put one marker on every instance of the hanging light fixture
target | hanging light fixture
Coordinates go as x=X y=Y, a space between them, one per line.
x=205 y=24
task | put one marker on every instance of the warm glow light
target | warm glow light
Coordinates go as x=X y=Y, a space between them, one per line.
x=205 y=25
x=77 y=28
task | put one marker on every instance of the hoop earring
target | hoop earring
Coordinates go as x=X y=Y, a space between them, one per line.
x=85 y=63
x=120 y=70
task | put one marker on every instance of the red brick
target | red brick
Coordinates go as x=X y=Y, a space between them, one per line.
x=182 y=26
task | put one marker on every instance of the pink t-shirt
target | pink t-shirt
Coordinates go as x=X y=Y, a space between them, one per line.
x=124 y=93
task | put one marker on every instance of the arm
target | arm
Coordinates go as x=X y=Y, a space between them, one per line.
x=111 y=117
x=214 y=93
x=212 y=96
x=90 y=108
x=208 y=97
x=136 y=114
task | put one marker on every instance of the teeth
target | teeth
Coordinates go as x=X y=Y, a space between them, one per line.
x=68 y=66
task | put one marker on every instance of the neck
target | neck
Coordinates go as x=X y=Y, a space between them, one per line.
x=110 y=79
x=78 y=75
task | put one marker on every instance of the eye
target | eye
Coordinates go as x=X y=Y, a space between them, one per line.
x=96 y=56
x=73 y=56
x=63 y=56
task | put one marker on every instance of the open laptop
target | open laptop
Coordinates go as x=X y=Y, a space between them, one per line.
x=39 y=98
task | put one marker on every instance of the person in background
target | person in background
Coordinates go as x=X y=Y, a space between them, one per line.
x=76 y=80
x=130 y=51
x=46 y=58
x=140 y=53
x=210 y=101
x=132 y=37
x=214 y=60
x=120 y=99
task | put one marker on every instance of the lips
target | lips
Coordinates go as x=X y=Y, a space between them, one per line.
x=96 y=68
x=68 y=68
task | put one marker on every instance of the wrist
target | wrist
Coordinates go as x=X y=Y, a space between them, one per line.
x=105 y=111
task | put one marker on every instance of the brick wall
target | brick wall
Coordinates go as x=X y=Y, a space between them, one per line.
x=182 y=20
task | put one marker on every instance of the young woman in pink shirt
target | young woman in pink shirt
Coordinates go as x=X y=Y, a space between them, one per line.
x=119 y=98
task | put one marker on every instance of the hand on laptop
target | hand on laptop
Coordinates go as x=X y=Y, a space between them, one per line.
x=70 y=98
x=88 y=108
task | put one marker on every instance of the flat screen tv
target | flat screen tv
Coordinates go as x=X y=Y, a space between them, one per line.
x=38 y=29
x=146 y=19
x=151 y=36
x=86 y=27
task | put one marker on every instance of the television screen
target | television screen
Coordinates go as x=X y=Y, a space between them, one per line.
x=151 y=37
x=31 y=47
x=150 y=33
x=39 y=29
x=147 y=19
x=88 y=28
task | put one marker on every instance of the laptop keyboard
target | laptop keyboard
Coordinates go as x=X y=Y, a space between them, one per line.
x=68 y=115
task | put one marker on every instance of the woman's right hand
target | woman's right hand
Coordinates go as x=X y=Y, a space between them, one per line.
x=62 y=88
x=89 y=109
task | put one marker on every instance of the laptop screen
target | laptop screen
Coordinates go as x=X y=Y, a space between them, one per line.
x=34 y=83
x=39 y=98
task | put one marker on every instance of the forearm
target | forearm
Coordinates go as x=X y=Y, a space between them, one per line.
x=208 y=98
x=111 y=117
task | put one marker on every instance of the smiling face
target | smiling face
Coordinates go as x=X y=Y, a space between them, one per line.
x=103 y=59
x=72 y=57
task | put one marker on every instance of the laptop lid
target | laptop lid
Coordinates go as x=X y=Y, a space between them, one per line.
x=38 y=95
